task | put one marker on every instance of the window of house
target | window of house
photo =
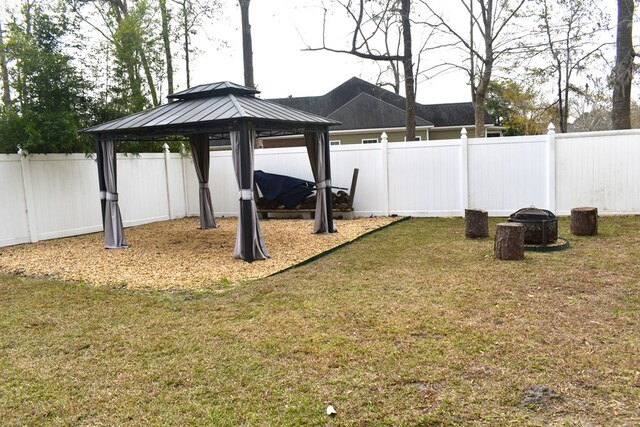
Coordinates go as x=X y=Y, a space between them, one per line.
x=370 y=141
x=418 y=138
x=494 y=134
x=335 y=142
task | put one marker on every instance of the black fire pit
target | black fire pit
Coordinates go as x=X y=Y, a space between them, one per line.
x=540 y=225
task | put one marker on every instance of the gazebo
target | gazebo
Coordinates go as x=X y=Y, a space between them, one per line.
x=207 y=112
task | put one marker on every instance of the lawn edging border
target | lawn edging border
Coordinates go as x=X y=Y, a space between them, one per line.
x=340 y=246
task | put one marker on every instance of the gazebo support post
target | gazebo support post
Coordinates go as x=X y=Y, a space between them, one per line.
x=108 y=181
x=101 y=183
x=249 y=242
x=200 y=154
x=327 y=171
x=317 y=143
x=246 y=217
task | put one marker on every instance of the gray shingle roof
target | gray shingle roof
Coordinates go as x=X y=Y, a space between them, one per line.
x=377 y=114
x=440 y=115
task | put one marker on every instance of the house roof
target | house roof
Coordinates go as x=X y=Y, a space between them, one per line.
x=210 y=108
x=367 y=112
x=440 y=115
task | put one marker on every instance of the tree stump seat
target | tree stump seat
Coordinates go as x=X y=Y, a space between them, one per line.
x=584 y=221
x=509 y=242
x=476 y=223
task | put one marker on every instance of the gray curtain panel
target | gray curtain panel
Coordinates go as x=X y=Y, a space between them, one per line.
x=200 y=155
x=113 y=229
x=315 y=142
x=258 y=248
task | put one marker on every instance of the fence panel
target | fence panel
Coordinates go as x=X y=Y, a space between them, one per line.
x=142 y=188
x=424 y=178
x=600 y=169
x=369 y=197
x=65 y=195
x=508 y=173
x=14 y=226
x=176 y=186
x=222 y=184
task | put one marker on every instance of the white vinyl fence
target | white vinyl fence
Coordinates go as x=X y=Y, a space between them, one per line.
x=56 y=195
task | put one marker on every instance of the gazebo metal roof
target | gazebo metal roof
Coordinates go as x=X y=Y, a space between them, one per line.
x=211 y=108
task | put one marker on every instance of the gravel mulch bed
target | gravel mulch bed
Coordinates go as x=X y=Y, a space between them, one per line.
x=176 y=255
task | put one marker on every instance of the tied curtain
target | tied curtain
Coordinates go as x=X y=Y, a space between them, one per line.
x=107 y=177
x=318 y=150
x=200 y=154
x=249 y=241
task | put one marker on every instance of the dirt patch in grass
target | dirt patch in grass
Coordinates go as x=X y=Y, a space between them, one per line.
x=177 y=254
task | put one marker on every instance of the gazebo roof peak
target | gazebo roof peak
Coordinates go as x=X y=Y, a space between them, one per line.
x=213 y=89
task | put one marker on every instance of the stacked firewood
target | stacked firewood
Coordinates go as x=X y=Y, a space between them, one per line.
x=340 y=203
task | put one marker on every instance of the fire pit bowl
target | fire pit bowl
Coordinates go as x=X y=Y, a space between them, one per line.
x=541 y=225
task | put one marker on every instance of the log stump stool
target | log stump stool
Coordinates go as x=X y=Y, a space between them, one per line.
x=584 y=221
x=509 y=244
x=476 y=223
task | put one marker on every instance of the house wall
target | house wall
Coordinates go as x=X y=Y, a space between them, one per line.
x=440 y=134
x=49 y=196
x=358 y=137
x=345 y=139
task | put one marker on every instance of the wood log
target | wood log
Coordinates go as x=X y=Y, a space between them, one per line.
x=476 y=223
x=509 y=243
x=584 y=221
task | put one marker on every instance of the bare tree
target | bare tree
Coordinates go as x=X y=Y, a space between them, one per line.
x=409 y=79
x=571 y=40
x=369 y=19
x=392 y=43
x=486 y=40
x=247 y=46
x=623 y=70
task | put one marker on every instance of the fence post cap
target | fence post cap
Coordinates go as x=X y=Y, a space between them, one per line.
x=551 y=127
x=463 y=131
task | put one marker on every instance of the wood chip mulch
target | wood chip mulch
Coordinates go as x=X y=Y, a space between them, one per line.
x=177 y=255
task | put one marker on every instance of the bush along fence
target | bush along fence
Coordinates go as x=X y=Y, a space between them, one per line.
x=54 y=195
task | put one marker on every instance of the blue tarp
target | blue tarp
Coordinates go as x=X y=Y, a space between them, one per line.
x=284 y=189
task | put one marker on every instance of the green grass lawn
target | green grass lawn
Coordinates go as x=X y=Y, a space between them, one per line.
x=412 y=325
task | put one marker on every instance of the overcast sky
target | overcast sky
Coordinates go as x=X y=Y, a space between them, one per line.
x=280 y=29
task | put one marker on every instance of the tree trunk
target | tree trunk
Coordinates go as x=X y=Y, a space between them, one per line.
x=6 y=88
x=247 y=46
x=476 y=223
x=478 y=113
x=187 y=42
x=509 y=243
x=486 y=69
x=149 y=76
x=623 y=69
x=167 y=43
x=407 y=62
x=584 y=221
